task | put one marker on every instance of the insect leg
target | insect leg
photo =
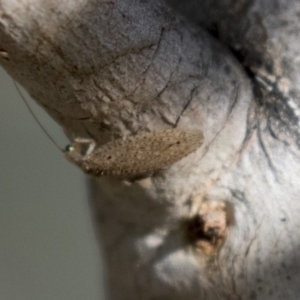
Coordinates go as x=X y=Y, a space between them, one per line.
x=91 y=144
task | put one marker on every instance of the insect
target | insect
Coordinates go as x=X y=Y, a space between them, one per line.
x=132 y=156
x=136 y=155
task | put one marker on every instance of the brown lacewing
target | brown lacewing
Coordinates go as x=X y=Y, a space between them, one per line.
x=132 y=156
x=136 y=155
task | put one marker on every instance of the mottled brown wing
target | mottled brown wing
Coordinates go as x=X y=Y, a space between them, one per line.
x=143 y=153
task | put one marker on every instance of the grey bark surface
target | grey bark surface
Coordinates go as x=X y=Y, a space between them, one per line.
x=110 y=69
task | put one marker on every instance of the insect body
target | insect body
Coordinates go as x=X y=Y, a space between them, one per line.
x=136 y=155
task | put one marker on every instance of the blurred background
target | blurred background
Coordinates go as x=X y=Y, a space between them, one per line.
x=48 y=249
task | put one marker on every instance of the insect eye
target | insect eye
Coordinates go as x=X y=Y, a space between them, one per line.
x=69 y=148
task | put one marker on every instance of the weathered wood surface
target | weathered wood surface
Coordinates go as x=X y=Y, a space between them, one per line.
x=109 y=69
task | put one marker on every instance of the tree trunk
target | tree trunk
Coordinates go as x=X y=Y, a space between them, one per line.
x=220 y=223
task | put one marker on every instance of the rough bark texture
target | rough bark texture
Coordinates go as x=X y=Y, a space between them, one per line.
x=109 y=69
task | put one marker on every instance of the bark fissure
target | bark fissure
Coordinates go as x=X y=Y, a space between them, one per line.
x=266 y=152
x=156 y=50
x=186 y=105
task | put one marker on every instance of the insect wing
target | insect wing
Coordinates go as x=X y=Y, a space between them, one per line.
x=146 y=152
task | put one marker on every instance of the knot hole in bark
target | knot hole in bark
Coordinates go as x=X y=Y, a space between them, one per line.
x=207 y=230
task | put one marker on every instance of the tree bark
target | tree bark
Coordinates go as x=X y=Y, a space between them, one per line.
x=222 y=222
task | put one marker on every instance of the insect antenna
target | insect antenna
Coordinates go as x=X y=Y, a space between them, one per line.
x=34 y=116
